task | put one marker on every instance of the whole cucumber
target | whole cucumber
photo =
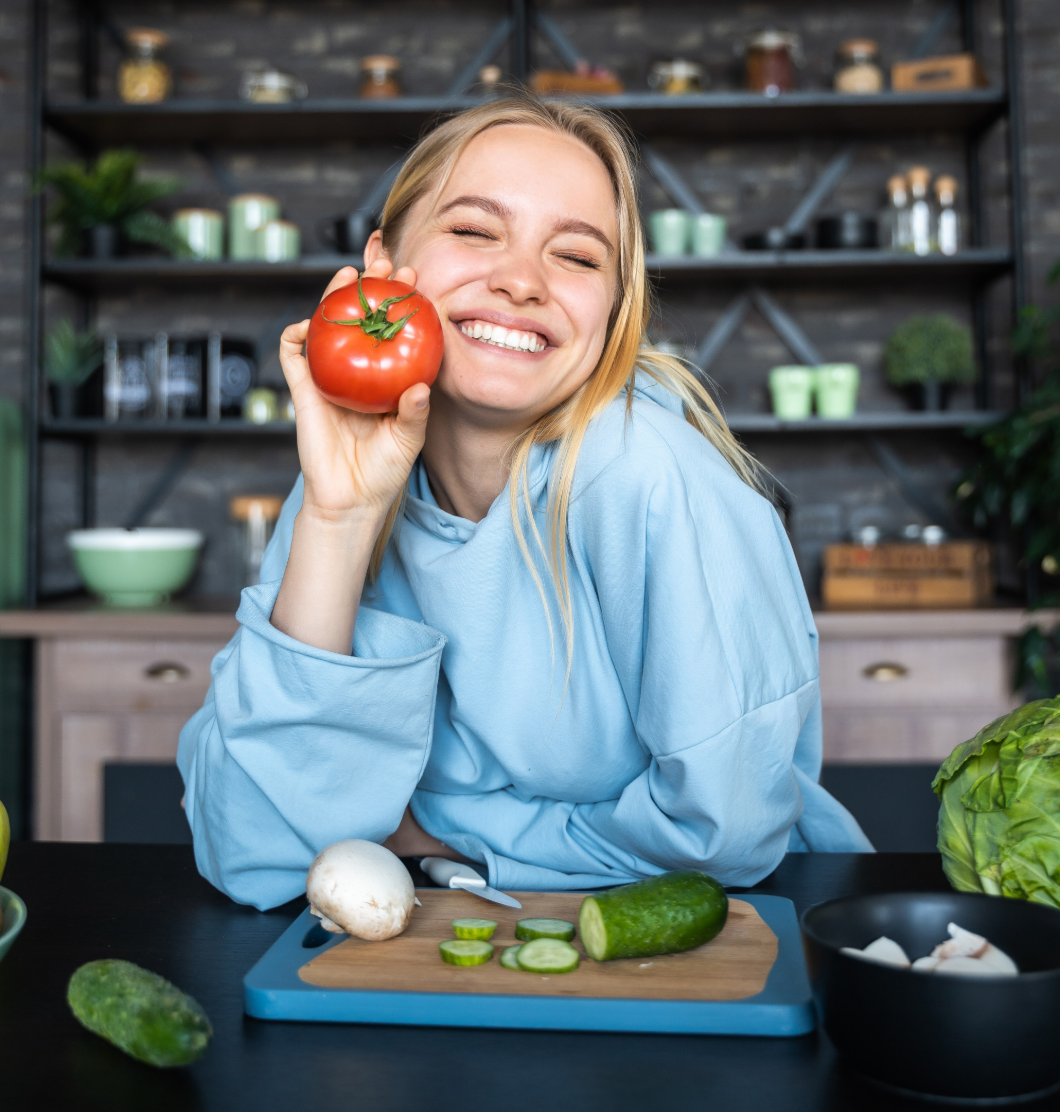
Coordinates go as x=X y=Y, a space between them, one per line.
x=661 y=915
x=139 y=1012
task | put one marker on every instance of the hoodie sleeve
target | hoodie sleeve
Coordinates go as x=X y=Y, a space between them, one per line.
x=296 y=747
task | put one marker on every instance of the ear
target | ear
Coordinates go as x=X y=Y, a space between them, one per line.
x=374 y=249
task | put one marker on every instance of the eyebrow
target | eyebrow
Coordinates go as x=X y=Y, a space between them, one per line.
x=503 y=212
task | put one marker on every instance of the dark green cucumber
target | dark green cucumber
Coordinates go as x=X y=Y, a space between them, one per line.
x=661 y=915
x=139 y=1012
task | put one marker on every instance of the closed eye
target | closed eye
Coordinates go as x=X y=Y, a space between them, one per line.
x=470 y=230
x=582 y=260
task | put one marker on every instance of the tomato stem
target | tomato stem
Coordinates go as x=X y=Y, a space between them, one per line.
x=374 y=323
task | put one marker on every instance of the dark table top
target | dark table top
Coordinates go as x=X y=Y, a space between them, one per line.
x=148 y=904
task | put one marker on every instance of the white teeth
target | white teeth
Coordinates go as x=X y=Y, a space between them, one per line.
x=499 y=336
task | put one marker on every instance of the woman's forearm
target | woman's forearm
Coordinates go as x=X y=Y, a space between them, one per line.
x=322 y=585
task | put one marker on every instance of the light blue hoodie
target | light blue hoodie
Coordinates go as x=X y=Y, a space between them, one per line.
x=687 y=735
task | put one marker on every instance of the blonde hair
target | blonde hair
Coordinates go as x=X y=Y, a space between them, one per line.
x=625 y=349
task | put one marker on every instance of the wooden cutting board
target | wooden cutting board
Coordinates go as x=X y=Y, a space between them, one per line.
x=732 y=966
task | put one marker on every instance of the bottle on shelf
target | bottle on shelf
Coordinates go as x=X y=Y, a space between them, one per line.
x=949 y=220
x=142 y=77
x=894 y=223
x=922 y=238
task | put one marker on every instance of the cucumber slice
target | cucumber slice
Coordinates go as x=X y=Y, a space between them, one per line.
x=510 y=957
x=526 y=930
x=548 y=955
x=474 y=928
x=466 y=951
x=661 y=915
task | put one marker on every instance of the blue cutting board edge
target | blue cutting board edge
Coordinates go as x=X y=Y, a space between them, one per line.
x=784 y=1008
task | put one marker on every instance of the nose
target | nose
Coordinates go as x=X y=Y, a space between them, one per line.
x=519 y=276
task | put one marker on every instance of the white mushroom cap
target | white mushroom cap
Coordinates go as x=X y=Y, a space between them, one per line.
x=361 y=888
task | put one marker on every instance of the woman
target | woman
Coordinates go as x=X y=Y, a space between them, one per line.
x=581 y=650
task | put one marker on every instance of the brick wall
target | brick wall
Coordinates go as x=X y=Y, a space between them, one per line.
x=832 y=483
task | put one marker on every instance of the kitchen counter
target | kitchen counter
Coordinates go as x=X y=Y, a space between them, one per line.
x=147 y=904
x=82 y=616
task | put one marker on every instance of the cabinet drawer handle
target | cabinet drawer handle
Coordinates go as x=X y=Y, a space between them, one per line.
x=885 y=672
x=167 y=671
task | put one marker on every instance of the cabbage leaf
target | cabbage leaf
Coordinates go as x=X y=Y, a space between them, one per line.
x=999 y=820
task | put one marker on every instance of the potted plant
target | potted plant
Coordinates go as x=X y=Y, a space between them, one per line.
x=926 y=356
x=1015 y=484
x=100 y=203
x=69 y=359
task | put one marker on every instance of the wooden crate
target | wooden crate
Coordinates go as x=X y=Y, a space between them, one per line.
x=954 y=71
x=907 y=576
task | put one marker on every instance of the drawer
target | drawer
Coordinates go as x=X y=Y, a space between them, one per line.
x=130 y=675
x=957 y=672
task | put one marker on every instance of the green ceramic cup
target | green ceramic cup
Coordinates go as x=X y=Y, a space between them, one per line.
x=278 y=241
x=792 y=392
x=836 y=387
x=247 y=214
x=135 y=567
x=204 y=230
x=670 y=231
x=708 y=235
x=14 y=913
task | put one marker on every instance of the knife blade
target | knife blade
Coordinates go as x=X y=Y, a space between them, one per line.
x=451 y=874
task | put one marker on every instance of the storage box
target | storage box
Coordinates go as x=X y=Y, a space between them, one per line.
x=954 y=71
x=907 y=576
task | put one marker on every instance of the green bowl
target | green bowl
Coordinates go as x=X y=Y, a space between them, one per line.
x=14 y=912
x=135 y=567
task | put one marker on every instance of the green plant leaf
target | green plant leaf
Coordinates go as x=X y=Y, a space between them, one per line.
x=70 y=357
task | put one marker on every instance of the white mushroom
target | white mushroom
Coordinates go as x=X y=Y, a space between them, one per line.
x=965 y=965
x=884 y=951
x=360 y=888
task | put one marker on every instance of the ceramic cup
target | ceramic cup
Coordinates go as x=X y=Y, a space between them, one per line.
x=204 y=230
x=708 y=234
x=278 y=241
x=670 y=230
x=836 y=387
x=792 y=392
x=247 y=213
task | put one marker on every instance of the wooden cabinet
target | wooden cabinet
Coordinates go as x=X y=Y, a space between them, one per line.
x=908 y=687
x=895 y=688
x=109 y=687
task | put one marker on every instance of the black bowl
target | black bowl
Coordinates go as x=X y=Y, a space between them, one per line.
x=947 y=1037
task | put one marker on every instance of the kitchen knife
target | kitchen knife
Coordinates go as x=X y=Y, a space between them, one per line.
x=451 y=874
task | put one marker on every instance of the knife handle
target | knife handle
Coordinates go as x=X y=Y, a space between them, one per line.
x=442 y=871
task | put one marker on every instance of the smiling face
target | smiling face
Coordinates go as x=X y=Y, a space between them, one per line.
x=519 y=254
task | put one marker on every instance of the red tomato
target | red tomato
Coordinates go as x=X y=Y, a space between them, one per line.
x=370 y=341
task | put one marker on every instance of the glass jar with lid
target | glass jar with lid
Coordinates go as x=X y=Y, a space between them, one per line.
x=676 y=76
x=770 y=60
x=380 y=77
x=858 y=67
x=142 y=77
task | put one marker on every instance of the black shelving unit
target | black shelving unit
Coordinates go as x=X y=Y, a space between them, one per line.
x=91 y=124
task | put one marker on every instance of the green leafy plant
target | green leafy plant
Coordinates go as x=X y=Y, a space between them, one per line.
x=929 y=349
x=1015 y=484
x=109 y=192
x=70 y=356
x=999 y=824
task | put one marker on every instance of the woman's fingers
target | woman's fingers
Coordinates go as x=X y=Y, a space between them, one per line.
x=410 y=424
x=293 y=362
x=344 y=277
x=381 y=268
x=407 y=275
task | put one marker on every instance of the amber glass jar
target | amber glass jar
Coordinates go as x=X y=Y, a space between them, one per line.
x=380 y=77
x=142 y=78
x=770 y=60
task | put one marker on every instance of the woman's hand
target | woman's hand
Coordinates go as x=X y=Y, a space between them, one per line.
x=411 y=840
x=354 y=464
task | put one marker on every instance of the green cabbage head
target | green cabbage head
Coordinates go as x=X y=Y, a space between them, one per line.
x=999 y=824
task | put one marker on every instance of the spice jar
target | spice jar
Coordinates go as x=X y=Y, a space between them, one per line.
x=142 y=78
x=770 y=60
x=258 y=514
x=675 y=77
x=380 y=77
x=858 y=67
